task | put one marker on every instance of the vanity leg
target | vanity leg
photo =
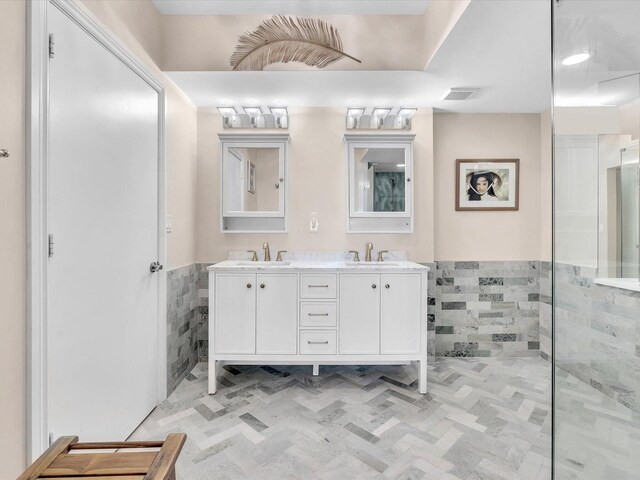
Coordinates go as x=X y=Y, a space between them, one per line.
x=422 y=381
x=213 y=377
x=316 y=369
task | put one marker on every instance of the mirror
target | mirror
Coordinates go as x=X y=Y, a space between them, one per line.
x=253 y=183
x=379 y=173
x=252 y=179
x=381 y=179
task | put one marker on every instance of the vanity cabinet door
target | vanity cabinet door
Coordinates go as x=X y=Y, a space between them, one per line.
x=359 y=314
x=400 y=307
x=277 y=313
x=235 y=313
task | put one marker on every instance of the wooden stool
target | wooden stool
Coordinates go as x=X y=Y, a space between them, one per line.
x=60 y=463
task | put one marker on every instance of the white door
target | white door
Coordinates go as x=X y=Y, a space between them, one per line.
x=359 y=314
x=277 y=314
x=400 y=302
x=102 y=330
x=234 y=315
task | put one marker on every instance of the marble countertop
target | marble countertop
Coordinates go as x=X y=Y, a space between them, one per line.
x=311 y=265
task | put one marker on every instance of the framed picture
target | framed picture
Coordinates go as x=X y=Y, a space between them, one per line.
x=487 y=184
x=251 y=178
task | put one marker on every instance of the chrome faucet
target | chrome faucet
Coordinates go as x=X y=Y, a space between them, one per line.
x=267 y=254
x=367 y=257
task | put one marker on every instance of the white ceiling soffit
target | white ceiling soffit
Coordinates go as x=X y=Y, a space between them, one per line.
x=291 y=7
x=501 y=46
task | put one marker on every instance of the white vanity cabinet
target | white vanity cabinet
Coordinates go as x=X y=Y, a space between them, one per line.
x=317 y=315
x=255 y=313
x=380 y=314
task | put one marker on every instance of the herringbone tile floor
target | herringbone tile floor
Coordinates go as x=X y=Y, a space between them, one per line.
x=597 y=438
x=482 y=419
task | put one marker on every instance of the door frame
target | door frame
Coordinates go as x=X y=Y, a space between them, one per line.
x=37 y=76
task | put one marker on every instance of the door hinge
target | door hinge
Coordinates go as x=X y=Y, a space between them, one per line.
x=52 y=44
x=50 y=245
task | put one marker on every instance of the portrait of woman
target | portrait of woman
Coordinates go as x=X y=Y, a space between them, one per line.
x=482 y=186
x=487 y=184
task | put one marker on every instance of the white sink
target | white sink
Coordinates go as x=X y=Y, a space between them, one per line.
x=260 y=263
x=371 y=264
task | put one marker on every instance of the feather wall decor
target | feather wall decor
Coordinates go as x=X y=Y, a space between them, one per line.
x=282 y=39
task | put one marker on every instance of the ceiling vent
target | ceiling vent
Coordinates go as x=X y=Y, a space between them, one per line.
x=460 y=93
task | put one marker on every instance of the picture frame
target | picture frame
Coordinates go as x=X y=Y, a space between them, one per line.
x=487 y=184
x=251 y=177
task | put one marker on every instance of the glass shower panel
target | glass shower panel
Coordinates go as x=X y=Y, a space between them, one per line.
x=596 y=299
x=629 y=213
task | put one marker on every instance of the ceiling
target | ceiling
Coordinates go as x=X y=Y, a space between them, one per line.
x=501 y=46
x=291 y=7
x=609 y=32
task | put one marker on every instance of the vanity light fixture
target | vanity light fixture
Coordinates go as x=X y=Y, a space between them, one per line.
x=253 y=117
x=254 y=114
x=353 y=116
x=380 y=114
x=280 y=116
x=405 y=115
x=575 y=59
x=228 y=115
x=379 y=118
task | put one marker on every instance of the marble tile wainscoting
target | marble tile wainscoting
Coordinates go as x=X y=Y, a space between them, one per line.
x=598 y=334
x=182 y=324
x=546 y=307
x=487 y=309
x=475 y=309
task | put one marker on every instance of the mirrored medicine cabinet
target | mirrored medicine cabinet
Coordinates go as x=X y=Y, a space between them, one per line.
x=379 y=183
x=253 y=183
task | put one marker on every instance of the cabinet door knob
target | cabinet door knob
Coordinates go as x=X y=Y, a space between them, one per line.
x=386 y=285
x=374 y=286
x=262 y=285
x=248 y=285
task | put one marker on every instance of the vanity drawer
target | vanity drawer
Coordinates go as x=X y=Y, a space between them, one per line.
x=318 y=342
x=318 y=286
x=317 y=314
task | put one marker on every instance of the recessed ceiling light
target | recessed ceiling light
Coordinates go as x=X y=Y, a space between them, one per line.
x=575 y=59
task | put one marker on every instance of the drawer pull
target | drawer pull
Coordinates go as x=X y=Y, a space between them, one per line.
x=318 y=286
x=248 y=285
x=387 y=285
x=262 y=285
x=326 y=342
x=374 y=286
x=318 y=314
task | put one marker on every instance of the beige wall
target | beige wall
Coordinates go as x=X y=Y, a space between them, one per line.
x=505 y=235
x=316 y=184
x=546 y=187
x=381 y=42
x=439 y=19
x=12 y=240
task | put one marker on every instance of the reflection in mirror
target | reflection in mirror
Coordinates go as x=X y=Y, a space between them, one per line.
x=253 y=184
x=253 y=179
x=381 y=179
x=379 y=169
